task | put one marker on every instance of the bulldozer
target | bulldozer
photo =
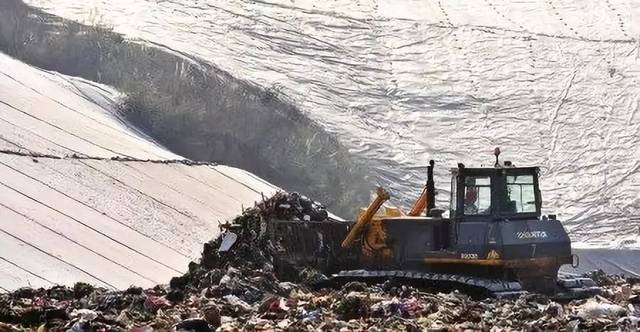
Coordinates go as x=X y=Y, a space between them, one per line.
x=493 y=239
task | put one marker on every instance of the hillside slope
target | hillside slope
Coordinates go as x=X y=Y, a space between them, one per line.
x=86 y=197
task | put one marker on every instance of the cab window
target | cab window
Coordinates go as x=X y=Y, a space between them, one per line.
x=477 y=195
x=521 y=196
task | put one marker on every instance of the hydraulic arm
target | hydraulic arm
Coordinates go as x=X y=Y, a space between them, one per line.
x=381 y=197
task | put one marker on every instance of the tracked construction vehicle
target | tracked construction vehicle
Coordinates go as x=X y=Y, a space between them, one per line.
x=494 y=240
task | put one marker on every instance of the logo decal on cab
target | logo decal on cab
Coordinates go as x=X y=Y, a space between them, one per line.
x=532 y=235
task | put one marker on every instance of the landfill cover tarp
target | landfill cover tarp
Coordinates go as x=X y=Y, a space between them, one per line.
x=612 y=261
x=553 y=83
x=86 y=197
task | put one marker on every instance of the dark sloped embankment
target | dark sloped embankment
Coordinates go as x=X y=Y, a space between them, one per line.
x=192 y=107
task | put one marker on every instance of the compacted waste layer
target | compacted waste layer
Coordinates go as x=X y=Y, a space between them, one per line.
x=237 y=290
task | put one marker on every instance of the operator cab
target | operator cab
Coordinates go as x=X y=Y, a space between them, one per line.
x=493 y=194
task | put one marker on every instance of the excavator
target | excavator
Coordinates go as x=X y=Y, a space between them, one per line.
x=493 y=241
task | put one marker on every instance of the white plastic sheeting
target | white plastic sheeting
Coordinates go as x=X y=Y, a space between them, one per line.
x=84 y=216
x=553 y=83
x=617 y=261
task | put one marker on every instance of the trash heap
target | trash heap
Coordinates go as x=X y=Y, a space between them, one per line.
x=236 y=289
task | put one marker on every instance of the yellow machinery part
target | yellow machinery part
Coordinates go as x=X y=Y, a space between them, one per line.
x=420 y=204
x=364 y=219
x=375 y=239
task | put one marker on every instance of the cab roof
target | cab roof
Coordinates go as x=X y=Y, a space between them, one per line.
x=489 y=170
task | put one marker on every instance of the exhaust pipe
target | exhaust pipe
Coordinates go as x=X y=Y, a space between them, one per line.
x=431 y=188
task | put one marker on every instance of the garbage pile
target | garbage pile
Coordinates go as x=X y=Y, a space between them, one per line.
x=233 y=287
x=244 y=244
x=241 y=299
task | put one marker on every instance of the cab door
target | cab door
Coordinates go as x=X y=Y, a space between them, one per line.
x=475 y=211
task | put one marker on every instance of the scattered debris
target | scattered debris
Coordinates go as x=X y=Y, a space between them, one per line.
x=236 y=289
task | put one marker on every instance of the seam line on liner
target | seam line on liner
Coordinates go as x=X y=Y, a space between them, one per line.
x=484 y=28
x=57 y=258
x=100 y=212
x=177 y=191
x=137 y=190
x=93 y=229
x=123 y=184
x=14 y=144
x=130 y=129
x=44 y=138
x=166 y=162
x=27 y=270
x=235 y=180
x=222 y=191
x=620 y=21
x=119 y=130
x=79 y=155
x=480 y=28
x=64 y=130
x=77 y=243
x=33 y=154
